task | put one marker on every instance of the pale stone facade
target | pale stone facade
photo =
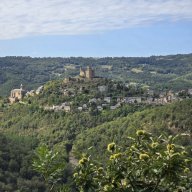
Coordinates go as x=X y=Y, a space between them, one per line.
x=88 y=73
x=17 y=94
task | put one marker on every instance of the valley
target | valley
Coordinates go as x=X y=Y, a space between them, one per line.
x=82 y=112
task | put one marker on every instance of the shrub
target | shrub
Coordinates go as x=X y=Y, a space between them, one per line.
x=148 y=164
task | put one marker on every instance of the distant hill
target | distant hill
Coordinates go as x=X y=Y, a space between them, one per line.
x=172 y=71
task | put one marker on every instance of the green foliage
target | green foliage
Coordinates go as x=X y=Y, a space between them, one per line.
x=172 y=119
x=146 y=164
x=172 y=71
x=55 y=127
x=50 y=164
x=79 y=92
x=79 y=130
x=16 y=173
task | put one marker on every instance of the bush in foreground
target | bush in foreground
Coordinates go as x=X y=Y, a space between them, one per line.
x=147 y=164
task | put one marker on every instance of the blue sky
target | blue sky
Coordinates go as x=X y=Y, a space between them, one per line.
x=90 y=28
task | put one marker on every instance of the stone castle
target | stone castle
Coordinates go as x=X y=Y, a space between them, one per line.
x=17 y=94
x=88 y=73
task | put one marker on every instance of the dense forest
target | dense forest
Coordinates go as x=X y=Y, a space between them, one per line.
x=16 y=172
x=171 y=119
x=160 y=72
x=78 y=132
x=39 y=128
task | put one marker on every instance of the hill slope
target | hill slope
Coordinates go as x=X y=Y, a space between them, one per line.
x=173 y=71
x=174 y=118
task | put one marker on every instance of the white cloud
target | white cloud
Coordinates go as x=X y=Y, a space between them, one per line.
x=20 y=18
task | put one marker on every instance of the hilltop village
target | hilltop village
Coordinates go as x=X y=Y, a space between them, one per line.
x=88 y=92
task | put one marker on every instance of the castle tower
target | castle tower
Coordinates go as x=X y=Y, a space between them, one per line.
x=82 y=73
x=89 y=73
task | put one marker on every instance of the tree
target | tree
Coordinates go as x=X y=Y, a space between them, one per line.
x=148 y=164
x=50 y=164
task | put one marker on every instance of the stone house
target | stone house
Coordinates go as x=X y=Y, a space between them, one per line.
x=103 y=88
x=39 y=90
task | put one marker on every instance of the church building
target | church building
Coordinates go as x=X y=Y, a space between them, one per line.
x=17 y=94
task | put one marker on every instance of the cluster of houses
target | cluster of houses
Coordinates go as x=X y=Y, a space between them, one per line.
x=63 y=107
x=111 y=103
x=99 y=103
x=162 y=98
x=102 y=102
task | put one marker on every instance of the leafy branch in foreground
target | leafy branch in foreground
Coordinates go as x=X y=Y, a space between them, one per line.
x=147 y=164
x=50 y=164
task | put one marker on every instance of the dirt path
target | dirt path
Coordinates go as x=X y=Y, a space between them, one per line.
x=72 y=159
